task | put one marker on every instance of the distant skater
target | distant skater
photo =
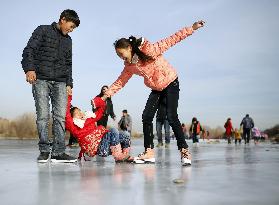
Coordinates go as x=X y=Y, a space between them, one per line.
x=237 y=136
x=125 y=122
x=195 y=130
x=162 y=120
x=109 y=108
x=229 y=130
x=247 y=123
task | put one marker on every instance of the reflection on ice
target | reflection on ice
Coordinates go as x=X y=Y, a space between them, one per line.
x=220 y=174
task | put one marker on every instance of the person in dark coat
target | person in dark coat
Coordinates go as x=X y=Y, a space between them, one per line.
x=195 y=130
x=247 y=123
x=109 y=108
x=162 y=120
x=47 y=63
x=125 y=123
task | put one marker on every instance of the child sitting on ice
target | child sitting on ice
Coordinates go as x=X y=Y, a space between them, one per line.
x=96 y=140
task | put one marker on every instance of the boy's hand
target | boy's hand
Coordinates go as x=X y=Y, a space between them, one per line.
x=69 y=90
x=198 y=25
x=31 y=77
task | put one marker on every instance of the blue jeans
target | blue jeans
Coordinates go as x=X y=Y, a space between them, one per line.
x=159 y=126
x=112 y=138
x=43 y=92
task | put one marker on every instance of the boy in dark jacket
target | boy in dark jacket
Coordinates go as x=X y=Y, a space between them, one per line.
x=47 y=63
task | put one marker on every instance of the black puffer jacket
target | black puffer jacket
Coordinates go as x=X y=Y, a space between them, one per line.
x=247 y=122
x=49 y=54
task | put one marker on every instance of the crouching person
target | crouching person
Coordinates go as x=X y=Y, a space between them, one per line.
x=95 y=140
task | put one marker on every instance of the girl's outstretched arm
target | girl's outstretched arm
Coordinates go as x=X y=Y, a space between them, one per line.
x=119 y=83
x=161 y=46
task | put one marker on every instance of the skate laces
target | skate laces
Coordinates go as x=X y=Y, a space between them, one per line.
x=147 y=152
x=142 y=154
x=185 y=153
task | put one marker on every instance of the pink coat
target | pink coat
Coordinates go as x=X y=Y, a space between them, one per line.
x=157 y=74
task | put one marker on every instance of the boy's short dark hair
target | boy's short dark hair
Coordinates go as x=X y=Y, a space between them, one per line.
x=70 y=15
x=124 y=111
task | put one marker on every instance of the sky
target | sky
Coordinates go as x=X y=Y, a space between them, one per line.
x=226 y=69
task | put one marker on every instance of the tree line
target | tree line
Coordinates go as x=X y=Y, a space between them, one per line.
x=24 y=127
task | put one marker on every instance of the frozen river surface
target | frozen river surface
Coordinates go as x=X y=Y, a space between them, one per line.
x=220 y=174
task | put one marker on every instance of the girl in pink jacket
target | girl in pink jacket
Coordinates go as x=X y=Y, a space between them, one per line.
x=146 y=59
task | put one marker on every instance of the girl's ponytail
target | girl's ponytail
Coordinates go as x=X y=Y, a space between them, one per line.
x=135 y=44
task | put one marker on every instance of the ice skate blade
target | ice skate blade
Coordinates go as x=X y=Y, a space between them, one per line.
x=185 y=162
x=63 y=161
x=137 y=160
x=42 y=161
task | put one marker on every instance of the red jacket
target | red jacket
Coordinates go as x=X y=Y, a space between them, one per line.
x=89 y=137
x=229 y=127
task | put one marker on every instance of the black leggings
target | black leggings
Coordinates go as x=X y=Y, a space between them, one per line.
x=171 y=95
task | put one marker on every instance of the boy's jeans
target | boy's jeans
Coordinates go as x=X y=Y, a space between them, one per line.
x=159 y=126
x=43 y=91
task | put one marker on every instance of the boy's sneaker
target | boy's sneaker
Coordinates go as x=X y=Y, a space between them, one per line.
x=43 y=157
x=160 y=144
x=63 y=158
x=185 y=157
x=148 y=156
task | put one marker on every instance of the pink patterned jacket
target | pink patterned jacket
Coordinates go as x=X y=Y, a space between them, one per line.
x=157 y=74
